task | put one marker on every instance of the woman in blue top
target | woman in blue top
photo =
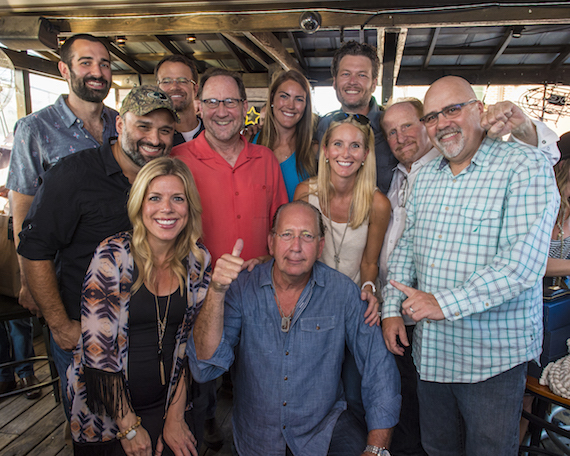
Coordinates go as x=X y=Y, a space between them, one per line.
x=288 y=128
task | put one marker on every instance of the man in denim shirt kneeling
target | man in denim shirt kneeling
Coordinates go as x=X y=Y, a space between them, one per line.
x=286 y=324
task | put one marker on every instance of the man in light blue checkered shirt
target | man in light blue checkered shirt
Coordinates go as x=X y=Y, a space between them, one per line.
x=476 y=242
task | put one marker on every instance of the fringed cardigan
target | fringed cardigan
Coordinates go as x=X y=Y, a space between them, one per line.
x=97 y=377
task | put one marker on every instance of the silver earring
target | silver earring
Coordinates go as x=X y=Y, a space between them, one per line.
x=326 y=160
x=362 y=164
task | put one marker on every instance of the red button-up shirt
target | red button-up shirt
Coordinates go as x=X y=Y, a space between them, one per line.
x=238 y=201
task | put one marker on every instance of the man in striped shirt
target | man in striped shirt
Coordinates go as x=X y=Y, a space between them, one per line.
x=476 y=243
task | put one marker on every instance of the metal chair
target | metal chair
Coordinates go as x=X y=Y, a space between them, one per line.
x=541 y=421
x=11 y=310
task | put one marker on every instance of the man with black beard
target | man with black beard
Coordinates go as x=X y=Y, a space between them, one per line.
x=82 y=201
x=74 y=122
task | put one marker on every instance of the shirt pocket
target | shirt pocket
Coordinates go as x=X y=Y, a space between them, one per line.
x=317 y=324
x=481 y=225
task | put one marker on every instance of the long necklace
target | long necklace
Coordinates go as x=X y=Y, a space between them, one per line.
x=161 y=326
x=285 y=320
x=337 y=252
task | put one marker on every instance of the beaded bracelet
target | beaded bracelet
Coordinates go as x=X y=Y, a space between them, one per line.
x=126 y=432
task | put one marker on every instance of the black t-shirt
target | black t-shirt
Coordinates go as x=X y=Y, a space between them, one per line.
x=82 y=200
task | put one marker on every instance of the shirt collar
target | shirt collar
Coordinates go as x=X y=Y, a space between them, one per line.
x=69 y=118
x=109 y=161
x=317 y=276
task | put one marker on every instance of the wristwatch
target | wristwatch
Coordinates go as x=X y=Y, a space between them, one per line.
x=377 y=450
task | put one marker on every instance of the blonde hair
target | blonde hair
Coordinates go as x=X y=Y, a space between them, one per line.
x=304 y=158
x=365 y=184
x=186 y=241
x=562 y=173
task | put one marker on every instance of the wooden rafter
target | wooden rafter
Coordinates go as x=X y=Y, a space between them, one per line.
x=269 y=44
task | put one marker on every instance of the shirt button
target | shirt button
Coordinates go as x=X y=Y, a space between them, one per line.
x=237 y=193
x=318 y=327
x=263 y=187
x=284 y=403
x=446 y=208
x=239 y=216
x=439 y=236
x=457 y=314
x=487 y=304
x=284 y=427
x=428 y=321
x=432 y=265
x=454 y=180
x=286 y=353
x=286 y=378
x=543 y=141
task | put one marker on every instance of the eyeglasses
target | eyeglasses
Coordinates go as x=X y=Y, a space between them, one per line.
x=228 y=102
x=179 y=81
x=342 y=116
x=305 y=236
x=449 y=112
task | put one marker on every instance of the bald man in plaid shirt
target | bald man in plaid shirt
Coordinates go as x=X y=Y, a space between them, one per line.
x=468 y=270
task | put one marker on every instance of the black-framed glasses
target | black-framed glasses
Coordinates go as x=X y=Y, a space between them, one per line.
x=179 y=81
x=228 y=102
x=449 y=112
x=342 y=116
x=305 y=236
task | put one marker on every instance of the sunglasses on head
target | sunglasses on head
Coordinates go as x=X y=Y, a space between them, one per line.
x=342 y=116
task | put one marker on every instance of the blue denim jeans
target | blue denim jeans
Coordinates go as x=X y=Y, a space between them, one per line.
x=470 y=419
x=16 y=344
x=62 y=360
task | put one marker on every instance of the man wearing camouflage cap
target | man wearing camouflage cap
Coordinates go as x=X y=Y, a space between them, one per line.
x=82 y=201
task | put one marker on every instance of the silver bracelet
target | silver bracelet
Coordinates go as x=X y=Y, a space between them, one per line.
x=376 y=450
x=369 y=282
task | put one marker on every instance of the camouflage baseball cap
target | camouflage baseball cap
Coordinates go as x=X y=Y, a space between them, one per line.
x=142 y=100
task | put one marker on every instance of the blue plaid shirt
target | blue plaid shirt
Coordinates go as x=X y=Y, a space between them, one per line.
x=479 y=242
x=46 y=136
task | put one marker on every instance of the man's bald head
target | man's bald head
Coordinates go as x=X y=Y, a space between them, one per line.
x=456 y=129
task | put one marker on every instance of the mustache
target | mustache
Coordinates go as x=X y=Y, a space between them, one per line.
x=160 y=145
x=94 y=79
x=447 y=131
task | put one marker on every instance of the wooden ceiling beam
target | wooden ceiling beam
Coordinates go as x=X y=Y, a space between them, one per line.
x=212 y=22
x=562 y=57
x=535 y=74
x=431 y=49
x=37 y=65
x=269 y=44
x=236 y=53
x=297 y=50
x=247 y=46
x=500 y=48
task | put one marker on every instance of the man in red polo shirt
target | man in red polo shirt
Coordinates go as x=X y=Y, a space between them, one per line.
x=240 y=184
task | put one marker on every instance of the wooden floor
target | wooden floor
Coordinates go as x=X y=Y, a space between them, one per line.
x=33 y=427
x=36 y=427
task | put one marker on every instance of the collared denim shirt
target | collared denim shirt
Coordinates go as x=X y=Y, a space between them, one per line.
x=46 y=136
x=287 y=386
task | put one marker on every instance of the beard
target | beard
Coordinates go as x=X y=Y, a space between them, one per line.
x=80 y=88
x=450 y=150
x=132 y=149
x=356 y=105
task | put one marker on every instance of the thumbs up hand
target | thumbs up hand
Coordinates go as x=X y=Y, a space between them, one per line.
x=227 y=268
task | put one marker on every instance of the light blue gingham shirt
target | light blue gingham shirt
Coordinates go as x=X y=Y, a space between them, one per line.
x=287 y=386
x=479 y=242
x=44 y=137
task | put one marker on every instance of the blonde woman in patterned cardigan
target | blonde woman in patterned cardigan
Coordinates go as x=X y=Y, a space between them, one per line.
x=129 y=382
